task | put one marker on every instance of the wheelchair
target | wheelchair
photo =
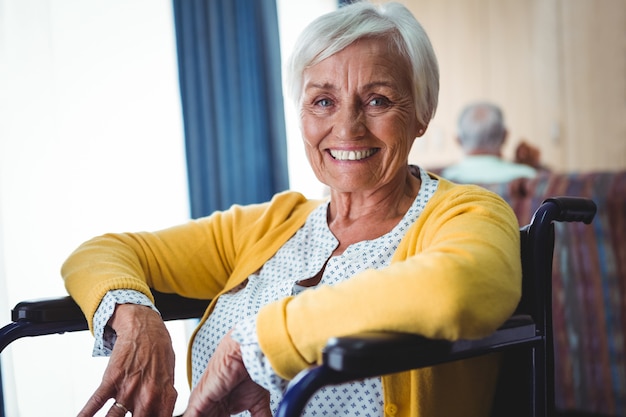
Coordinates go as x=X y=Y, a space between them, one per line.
x=526 y=381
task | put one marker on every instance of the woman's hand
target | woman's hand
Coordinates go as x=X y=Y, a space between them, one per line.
x=226 y=388
x=140 y=373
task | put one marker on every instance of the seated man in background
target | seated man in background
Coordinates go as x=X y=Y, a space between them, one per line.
x=481 y=135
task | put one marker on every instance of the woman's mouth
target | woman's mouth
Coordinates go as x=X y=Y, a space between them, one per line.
x=352 y=155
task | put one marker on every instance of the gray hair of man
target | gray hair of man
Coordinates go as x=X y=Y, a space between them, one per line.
x=481 y=128
x=334 y=31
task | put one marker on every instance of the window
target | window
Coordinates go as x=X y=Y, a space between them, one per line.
x=91 y=141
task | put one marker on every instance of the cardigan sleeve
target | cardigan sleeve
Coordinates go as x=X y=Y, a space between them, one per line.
x=171 y=260
x=456 y=274
x=198 y=259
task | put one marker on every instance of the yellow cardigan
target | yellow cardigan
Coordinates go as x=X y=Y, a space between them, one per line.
x=456 y=274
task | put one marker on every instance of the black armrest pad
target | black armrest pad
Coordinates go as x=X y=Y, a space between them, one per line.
x=47 y=310
x=176 y=307
x=380 y=353
x=171 y=306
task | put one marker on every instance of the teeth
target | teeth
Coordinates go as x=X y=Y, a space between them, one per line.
x=351 y=155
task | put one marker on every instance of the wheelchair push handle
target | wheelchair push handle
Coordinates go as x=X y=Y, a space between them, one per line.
x=572 y=209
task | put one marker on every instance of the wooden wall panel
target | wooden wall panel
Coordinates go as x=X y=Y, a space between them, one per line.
x=557 y=68
x=545 y=109
x=594 y=80
x=511 y=62
x=458 y=63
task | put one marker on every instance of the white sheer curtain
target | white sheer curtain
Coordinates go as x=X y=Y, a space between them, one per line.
x=91 y=141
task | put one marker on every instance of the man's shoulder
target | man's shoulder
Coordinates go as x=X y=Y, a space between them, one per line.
x=486 y=169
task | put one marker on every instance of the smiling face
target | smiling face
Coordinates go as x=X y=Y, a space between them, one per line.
x=358 y=117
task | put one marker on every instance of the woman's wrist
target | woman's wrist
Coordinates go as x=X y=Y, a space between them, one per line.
x=134 y=317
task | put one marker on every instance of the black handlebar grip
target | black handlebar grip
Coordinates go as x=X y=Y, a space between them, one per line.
x=574 y=209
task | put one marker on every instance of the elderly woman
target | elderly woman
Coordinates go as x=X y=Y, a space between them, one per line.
x=391 y=249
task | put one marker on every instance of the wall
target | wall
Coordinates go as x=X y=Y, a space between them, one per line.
x=557 y=67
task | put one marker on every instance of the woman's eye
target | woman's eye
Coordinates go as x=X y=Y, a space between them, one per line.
x=378 y=102
x=323 y=102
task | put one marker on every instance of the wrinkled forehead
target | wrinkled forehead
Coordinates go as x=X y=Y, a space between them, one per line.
x=389 y=42
x=367 y=57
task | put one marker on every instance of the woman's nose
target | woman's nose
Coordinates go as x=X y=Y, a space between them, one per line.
x=349 y=123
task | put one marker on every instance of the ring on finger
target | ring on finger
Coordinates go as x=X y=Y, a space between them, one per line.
x=121 y=406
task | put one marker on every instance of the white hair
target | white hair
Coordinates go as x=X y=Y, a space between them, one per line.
x=481 y=127
x=334 y=31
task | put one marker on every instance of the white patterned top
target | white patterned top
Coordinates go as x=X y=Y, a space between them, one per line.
x=302 y=257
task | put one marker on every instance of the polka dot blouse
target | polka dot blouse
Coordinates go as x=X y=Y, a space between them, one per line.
x=302 y=257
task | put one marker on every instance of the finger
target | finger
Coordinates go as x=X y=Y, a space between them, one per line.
x=261 y=409
x=263 y=412
x=118 y=409
x=150 y=404
x=97 y=401
x=249 y=396
x=211 y=409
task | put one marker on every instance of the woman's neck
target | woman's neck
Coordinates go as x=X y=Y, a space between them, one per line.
x=354 y=217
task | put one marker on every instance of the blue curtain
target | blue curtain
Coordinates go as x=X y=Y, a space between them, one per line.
x=231 y=92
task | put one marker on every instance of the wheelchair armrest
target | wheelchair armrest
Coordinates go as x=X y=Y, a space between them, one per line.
x=47 y=310
x=371 y=354
x=176 y=307
x=62 y=314
x=61 y=309
x=366 y=355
